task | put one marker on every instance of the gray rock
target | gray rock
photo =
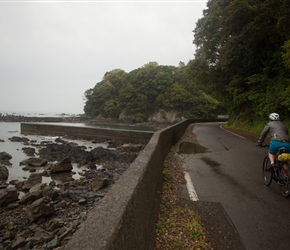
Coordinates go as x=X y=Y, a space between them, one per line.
x=39 y=208
x=99 y=184
x=18 y=243
x=54 y=243
x=55 y=224
x=29 y=151
x=18 y=139
x=30 y=197
x=8 y=195
x=63 y=166
x=34 y=162
x=42 y=235
x=5 y=156
x=33 y=179
x=4 y=173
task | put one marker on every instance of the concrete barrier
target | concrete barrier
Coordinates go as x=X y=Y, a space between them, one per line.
x=126 y=217
x=91 y=133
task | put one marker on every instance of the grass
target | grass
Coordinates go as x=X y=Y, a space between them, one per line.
x=178 y=227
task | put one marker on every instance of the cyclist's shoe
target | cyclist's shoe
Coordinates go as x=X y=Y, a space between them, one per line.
x=280 y=183
x=274 y=165
x=271 y=167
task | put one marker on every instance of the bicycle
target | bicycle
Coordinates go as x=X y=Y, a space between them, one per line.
x=280 y=172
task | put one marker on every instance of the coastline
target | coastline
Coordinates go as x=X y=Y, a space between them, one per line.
x=113 y=123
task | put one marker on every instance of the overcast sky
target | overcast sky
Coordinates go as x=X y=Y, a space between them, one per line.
x=51 y=52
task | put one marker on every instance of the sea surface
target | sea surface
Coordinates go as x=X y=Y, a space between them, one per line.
x=10 y=129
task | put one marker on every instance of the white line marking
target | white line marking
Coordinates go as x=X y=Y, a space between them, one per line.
x=191 y=191
x=221 y=126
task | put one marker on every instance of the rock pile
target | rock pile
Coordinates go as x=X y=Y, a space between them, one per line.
x=39 y=215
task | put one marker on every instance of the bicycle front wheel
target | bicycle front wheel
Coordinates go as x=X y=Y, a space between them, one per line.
x=267 y=171
x=285 y=180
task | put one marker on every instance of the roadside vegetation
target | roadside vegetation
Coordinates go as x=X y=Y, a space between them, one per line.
x=178 y=227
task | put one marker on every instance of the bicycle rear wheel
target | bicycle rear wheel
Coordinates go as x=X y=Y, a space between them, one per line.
x=267 y=171
x=285 y=180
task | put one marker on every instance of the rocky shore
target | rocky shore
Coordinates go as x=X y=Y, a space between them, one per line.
x=39 y=215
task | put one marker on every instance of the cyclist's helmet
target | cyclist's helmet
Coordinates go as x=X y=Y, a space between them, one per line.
x=274 y=117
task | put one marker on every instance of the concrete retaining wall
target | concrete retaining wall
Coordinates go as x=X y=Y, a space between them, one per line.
x=98 y=134
x=126 y=217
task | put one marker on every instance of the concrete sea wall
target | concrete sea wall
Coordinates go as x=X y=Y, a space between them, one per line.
x=126 y=217
x=90 y=133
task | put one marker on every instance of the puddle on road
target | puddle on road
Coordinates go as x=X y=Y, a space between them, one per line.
x=187 y=147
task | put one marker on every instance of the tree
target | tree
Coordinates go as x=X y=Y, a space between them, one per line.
x=240 y=59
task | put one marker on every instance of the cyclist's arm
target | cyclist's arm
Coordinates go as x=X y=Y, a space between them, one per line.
x=263 y=134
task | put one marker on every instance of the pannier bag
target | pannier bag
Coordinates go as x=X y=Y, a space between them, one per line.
x=284 y=157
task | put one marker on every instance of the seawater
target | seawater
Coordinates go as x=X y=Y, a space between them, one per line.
x=10 y=129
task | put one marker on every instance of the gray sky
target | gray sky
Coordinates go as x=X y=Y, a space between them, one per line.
x=51 y=52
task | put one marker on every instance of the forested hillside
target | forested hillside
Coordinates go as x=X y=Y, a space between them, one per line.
x=243 y=56
x=242 y=61
x=145 y=91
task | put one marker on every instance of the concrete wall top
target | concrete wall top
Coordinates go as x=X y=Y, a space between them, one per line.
x=90 y=133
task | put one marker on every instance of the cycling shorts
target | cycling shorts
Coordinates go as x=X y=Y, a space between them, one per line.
x=275 y=145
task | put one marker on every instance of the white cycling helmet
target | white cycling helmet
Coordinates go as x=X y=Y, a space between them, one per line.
x=274 y=117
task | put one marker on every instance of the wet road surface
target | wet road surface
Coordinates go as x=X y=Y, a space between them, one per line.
x=230 y=173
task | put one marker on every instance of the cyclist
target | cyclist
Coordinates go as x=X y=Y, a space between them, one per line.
x=279 y=136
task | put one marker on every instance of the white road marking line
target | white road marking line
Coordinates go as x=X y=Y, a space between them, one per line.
x=191 y=190
x=221 y=126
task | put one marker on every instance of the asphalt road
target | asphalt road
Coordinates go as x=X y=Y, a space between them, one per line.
x=230 y=173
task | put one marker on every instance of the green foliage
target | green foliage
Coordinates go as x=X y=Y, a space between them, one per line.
x=243 y=56
x=146 y=90
x=286 y=53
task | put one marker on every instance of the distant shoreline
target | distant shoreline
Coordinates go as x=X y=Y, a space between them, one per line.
x=21 y=118
x=78 y=119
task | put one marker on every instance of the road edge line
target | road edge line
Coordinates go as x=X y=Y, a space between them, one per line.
x=221 y=126
x=190 y=188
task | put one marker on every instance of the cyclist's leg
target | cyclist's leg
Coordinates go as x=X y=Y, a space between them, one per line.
x=272 y=150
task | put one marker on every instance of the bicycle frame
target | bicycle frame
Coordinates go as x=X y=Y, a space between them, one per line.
x=281 y=174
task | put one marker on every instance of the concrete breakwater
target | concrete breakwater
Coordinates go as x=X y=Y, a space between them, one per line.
x=90 y=133
x=126 y=217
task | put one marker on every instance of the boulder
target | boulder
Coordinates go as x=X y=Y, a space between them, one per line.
x=18 y=139
x=30 y=197
x=63 y=166
x=33 y=179
x=19 y=243
x=4 y=173
x=8 y=195
x=99 y=184
x=39 y=208
x=5 y=156
x=34 y=162
x=29 y=151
